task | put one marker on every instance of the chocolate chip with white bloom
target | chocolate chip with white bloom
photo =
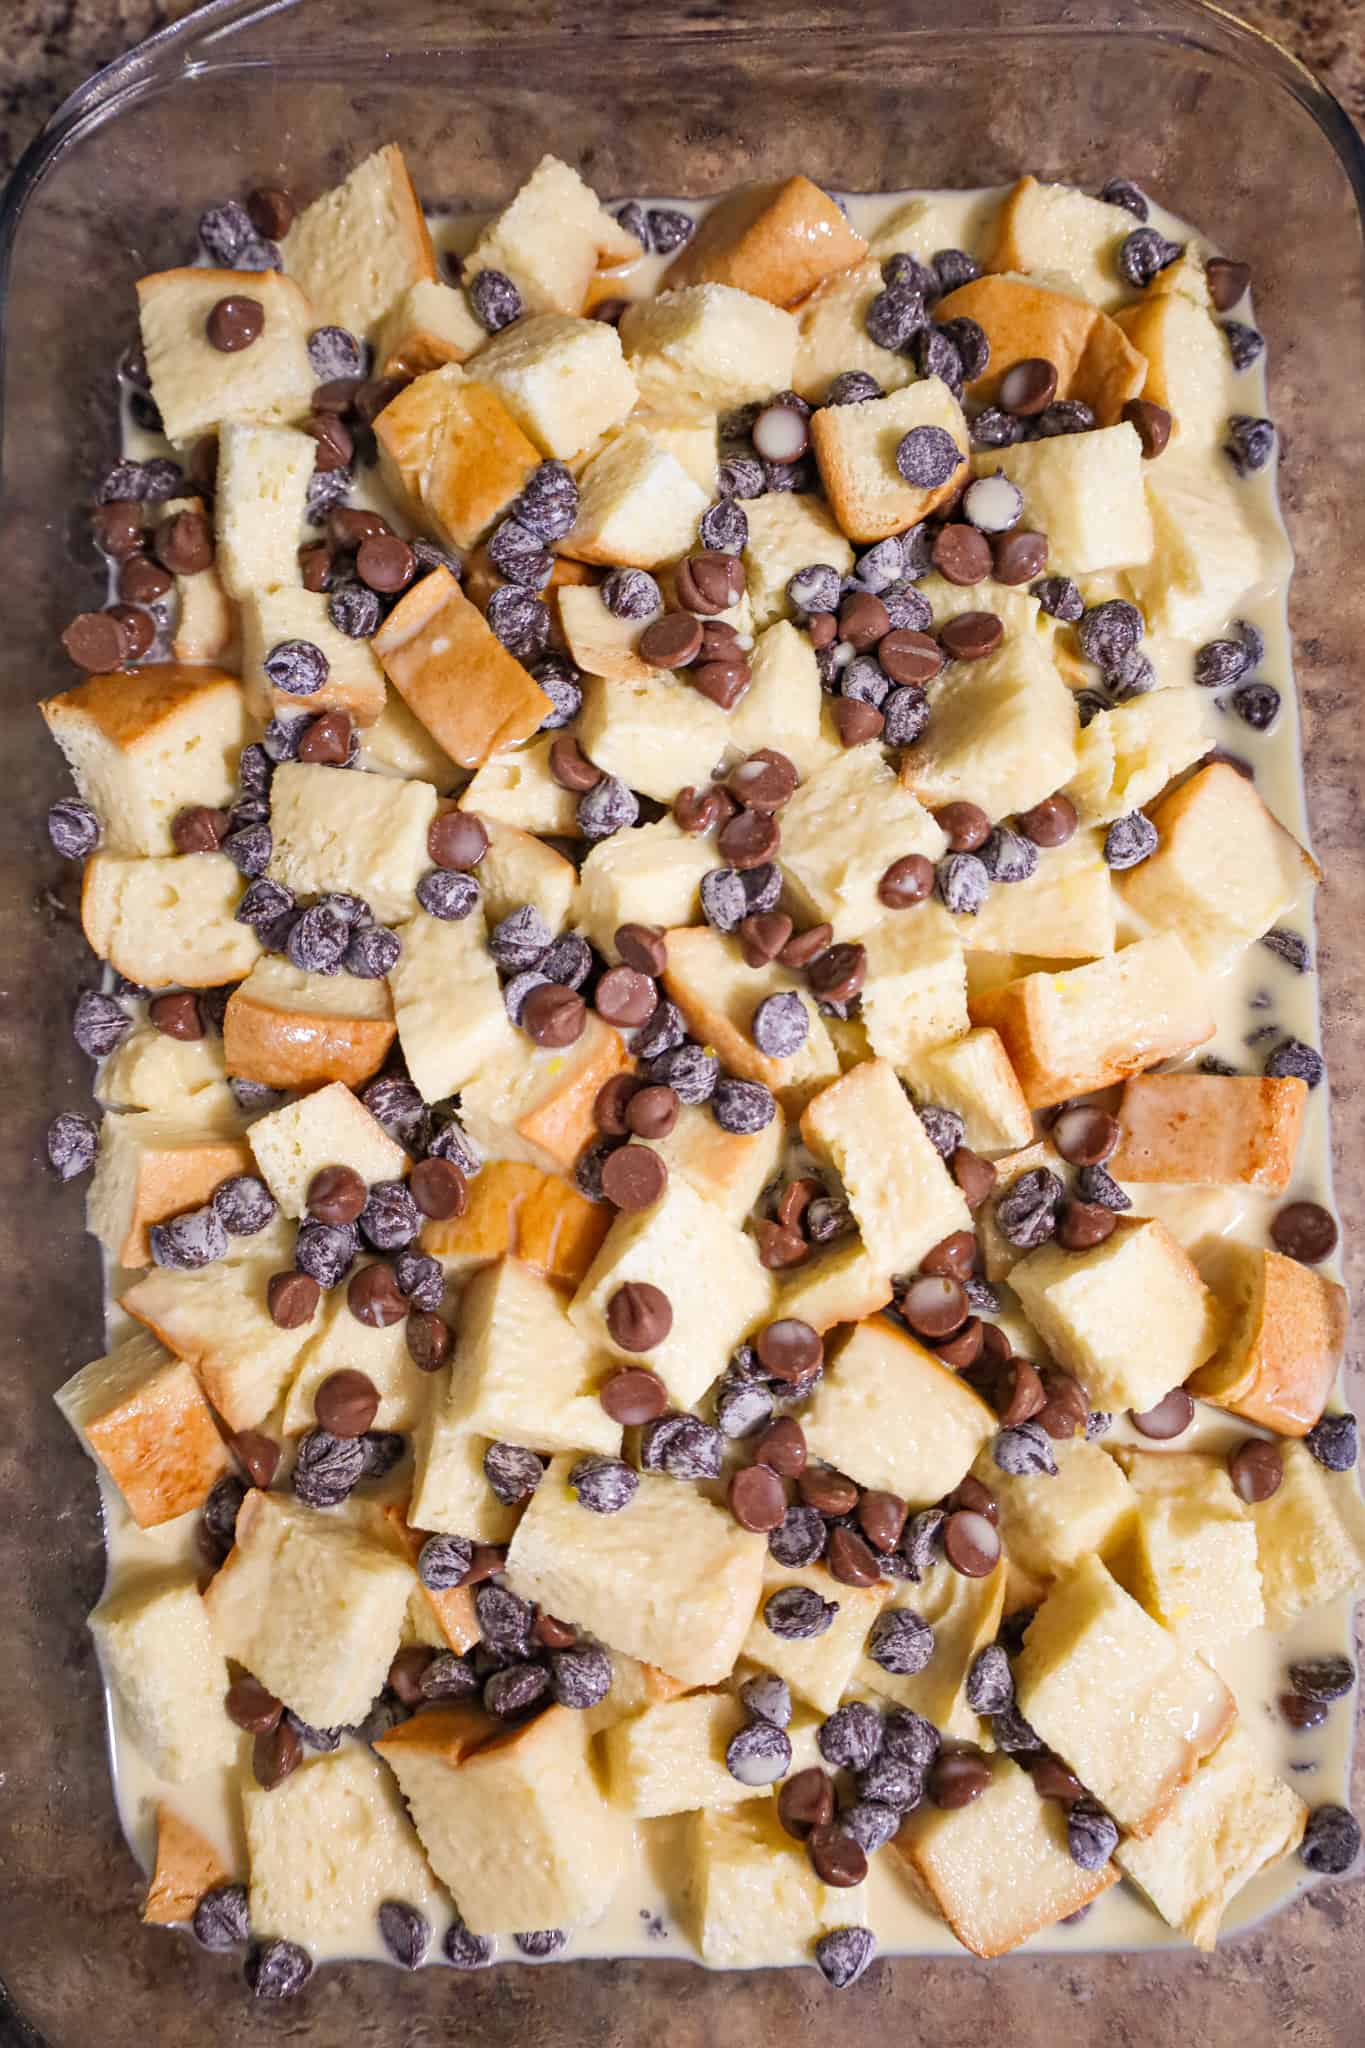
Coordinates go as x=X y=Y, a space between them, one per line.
x=495 y=300
x=909 y=1737
x=1091 y=1836
x=1331 y=1841
x=741 y=476
x=762 y=886
x=1335 y=1442
x=1064 y=416
x=852 y=387
x=421 y=1278
x=901 y=1641
x=1144 y=254
x=73 y=828
x=743 y=1107
x=928 y=457
x=580 y=1677
x=864 y=681
x=1026 y=1214
x=221 y=1919
x=1007 y=857
x=871 y=1823
x=515 y=1689
x=798 y=1540
x=504 y=1619
x=1293 y=1058
x=895 y=316
x=921 y=1543
x=934 y=355
x=327 y=1468
x=604 y=1485
x=1060 y=597
x=297 y=667
x=781 y=1025
x=683 y=1446
x=264 y=904
x=1257 y=705
x=334 y=352
x=1245 y=345
x=842 y=1955
x=973 y=347
x=1219 y=663
x=632 y=594
x=464 y=1950
x=72 y=1142
x=944 y=1128
x=797 y=1613
x=990 y=1682
x=768 y=1698
x=448 y=1677
x=606 y=808
x=277 y=1969
x=1109 y=631
x=851 y=1737
x=1123 y=192
x=963 y=883
x=448 y=893
x=559 y=679
x=743 y=1407
x=905 y=715
x=243 y=1204
x=99 y=1023
x=444 y=1562
x=1133 y=676
x=758 y=1754
x=355 y=610
x=517 y=554
x=723 y=901
x=405 y=1933
x=664 y=1031
x=520 y=940
x=390 y=1218
x=690 y=1071
x=1250 y=443
x=520 y=621
x=1129 y=841
x=372 y=953
x=513 y=1472
x=1024 y=1451
x=318 y=939
x=724 y=528
x=1015 y=1735
x=882 y=564
x=189 y=1242
x=249 y=850
x=539 y=1942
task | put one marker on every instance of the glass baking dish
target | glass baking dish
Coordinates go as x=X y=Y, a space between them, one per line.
x=1219 y=123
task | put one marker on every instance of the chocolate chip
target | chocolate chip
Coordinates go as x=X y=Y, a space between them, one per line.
x=634 y=1178
x=895 y=316
x=927 y=457
x=806 y=1801
x=277 y=1969
x=1293 y=1058
x=1152 y=424
x=1059 y=597
x=969 y=338
x=797 y=1613
x=515 y=1689
x=1250 y=443
x=520 y=621
x=901 y=1641
x=749 y=840
x=972 y=1543
x=1143 y=254
x=1245 y=345
x=554 y=1016
x=851 y=1736
x=1050 y=823
x=1023 y=1451
x=1334 y=1442
x=626 y=997
x=495 y=300
x=934 y=355
x=758 y=1754
x=1331 y=1841
x=405 y=1933
x=95 y=641
x=1129 y=841
x=1028 y=386
x=780 y=1025
x=221 y=1920
x=1257 y=705
x=603 y=1485
x=1171 y=1416
x=580 y=1677
x=374 y=1297
x=972 y=635
x=188 y=1242
x=327 y=1468
x=851 y=1561
x=606 y=808
x=297 y=667
x=690 y=1071
x=801 y=1536
x=963 y=884
x=390 y=1217
x=1256 y=1469
x=325 y=1251
x=1065 y=416
x=234 y=323
x=767 y=1698
x=1091 y=1836
x=249 y=1706
x=1018 y=557
x=957 y=1777
x=466 y=1951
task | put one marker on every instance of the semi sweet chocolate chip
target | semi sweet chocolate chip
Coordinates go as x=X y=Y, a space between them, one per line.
x=188 y=1242
x=901 y=1641
x=1293 y=1057
x=327 y=1468
x=1334 y=1442
x=1129 y=841
x=221 y=1919
x=1331 y=1841
x=963 y=883
x=971 y=635
x=1171 y=1416
x=1023 y=1451
x=1256 y=1469
x=405 y=1933
x=233 y=323
x=961 y=554
x=797 y=1613
x=374 y=1297
x=957 y=1777
x=1322 y=1678
x=1091 y=1836
x=927 y=457
x=634 y=1395
x=277 y=1969
x=800 y=1537
x=639 y=1316
x=297 y=667
x=606 y=808
x=758 y=1754
x=972 y=1543
x=1028 y=386
x=580 y=1677
x=1250 y=443
x=805 y=1802
x=634 y=1177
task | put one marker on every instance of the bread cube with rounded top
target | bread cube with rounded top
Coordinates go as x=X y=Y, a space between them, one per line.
x=259 y=505
x=651 y=875
x=1310 y=1537
x=1025 y=318
x=972 y=1076
x=447 y=1004
x=820 y=1667
x=893 y=1417
x=550 y=238
x=360 y=245
x=428 y=324
x=198 y=387
x=671 y=1757
x=450 y=1490
x=1002 y=732
x=752 y=1899
x=788 y=530
x=141 y=1415
x=150 y=1167
x=327 y=1128
x=535 y=1103
x=564 y=380
x=291 y=1029
x=1282 y=1335
x=834 y=336
x=1086 y=492
x=339 y=1342
x=187 y=1866
x=1050 y=1521
x=708 y=346
x=521 y=1373
x=361 y=833
x=518 y=787
x=1063 y=235
x=637 y=505
x=452 y=455
x=220 y=1322
x=857 y=446
x=902 y=1196
x=842 y=829
x=517 y=1210
x=964 y=1614
x=718 y=994
x=168 y=1675
x=455 y=675
x=656 y=734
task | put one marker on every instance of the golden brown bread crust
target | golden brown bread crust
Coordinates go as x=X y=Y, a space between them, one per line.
x=517 y=1211
x=776 y=240
x=1282 y=1343
x=161 y=1448
x=131 y=703
x=454 y=674
x=1095 y=360
x=452 y=1609
x=187 y=1866
x=299 y=1049
x=1210 y=1129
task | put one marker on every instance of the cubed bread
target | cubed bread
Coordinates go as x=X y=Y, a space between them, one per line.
x=915 y=993
x=1224 y=869
x=841 y=1285
x=452 y=454
x=260 y=500
x=708 y=346
x=1130 y=1318
x=455 y=675
x=718 y=994
x=447 y=1614
x=328 y=1847
x=518 y=869
x=818 y=1668
x=1087 y=1027
x=521 y=1372
x=1065 y=910
x=427 y=325
x=291 y=1029
x=143 y=745
x=972 y=1076
x=689 y=435
x=939 y=220
x=184 y=1077
x=964 y=1614
x=1050 y=1521
x=671 y=1758
x=672 y=1579
x=1002 y=731
x=1310 y=1537
x=1233 y=1819
x=515 y=1825
x=1065 y=236
x=1127 y=757
x=1193 y=1562
x=168 y=1675
x=777 y=239
x=447 y=1004
x=834 y=338
x=855 y=446
x=516 y=1211
x=1213 y=1129
x=140 y=1414
x=360 y=245
x=892 y=1416
x=788 y=530
x=1086 y=493
x=634 y=1687
x=728 y=1169
x=535 y=1103
x=517 y=787
x=327 y=1128
x=1023 y=319
x=312 y=1606
x=636 y=503
x=187 y=1866
x=338 y=1341
x=600 y=643
x=752 y=1899
x=840 y=833
x=999 y=1869
x=1206 y=553
x=450 y=1490
x=350 y=832
x=902 y=1196
x=197 y=387
x=657 y=735
x=399 y=744
x=649 y=875
x=272 y=618
x=784 y=704
x=150 y=1167
x=550 y=239
x=1282 y=1332
x=220 y=1322
x=564 y=381
x=1189 y=366
x=205 y=620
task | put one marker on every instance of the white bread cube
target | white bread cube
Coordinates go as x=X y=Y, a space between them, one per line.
x=998 y=1256
x=521 y=1373
x=784 y=705
x=455 y=675
x=1017 y=610
x=841 y=1285
x=142 y=746
x=219 y=1321
x=598 y=642
x=817 y=1668
x=518 y=868
x=1002 y=731
x=1066 y=238
x=197 y=387
x=840 y=833
x=1117 y=1698
x=1131 y=1318
x=517 y=1211
x=327 y=1128
x=187 y=1076
x=834 y=336
x=672 y=1579
x=892 y=1416
x=690 y=436
x=1225 y=869
x=718 y=994
x=447 y=1004
x=1127 y=757
x=998 y=1870
x=939 y=220
x=1193 y=1566
x=292 y=1029
x=427 y=325
x=1049 y=1522
x=634 y=1687
x=788 y=530
x=1086 y=1027
x=360 y=245
x=1189 y=366
x=328 y=1847
x=260 y=501
x=649 y=875
x=636 y=503
x=1065 y=910
x=1213 y=1129
x=550 y=239
x=1086 y=493
x=564 y=381
x=1026 y=318
x=340 y=1342
x=1310 y=1537
x=671 y=1758
x=777 y=239
x=672 y=1246
x=964 y=1615
x=752 y=1900
x=312 y=1606
x=140 y=1414
x=517 y=787
x=450 y=1490
x=513 y=1823
x=399 y=744
x=366 y=833
x=656 y=734
x=728 y=1170
x=187 y=1866
x=855 y=446
x=707 y=347
x=1281 y=1337
x=972 y=1075
x=902 y=1196
x=535 y=1104
x=204 y=619
x=168 y=1675
x=452 y=455
x=1206 y=554
x=355 y=681
x=915 y=994
x=1233 y=1819
x=150 y=1167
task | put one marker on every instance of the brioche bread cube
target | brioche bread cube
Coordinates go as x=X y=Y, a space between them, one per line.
x=1282 y=1334
x=197 y=387
x=1189 y=366
x=291 y=1029
x=915 y=994
x=892 y=1416
x=964 y=1615
x=1193 y=1564
x=834 y=338
x=187 y=1866
x=818 y=1668
x=518 y=869
x=1225 y=869
x=600 y=643
x=1206 y=554
x=340 y=1342
x=521 y=1372
x=1049 y=1522
x=728 y=1169
x=752 y=1899
x=218 y=1320
x=1064 y=910
x=939 y=220
x=150 y=1167
x=142 y=746
x=855 y=446
x=1127 y=757
x=1086 y=492
x=447 y=1004
x=452 y=454
x=689 y=435
x=672 y=1579
x=518 y=1212
x=1024 y=318
x=841 y=831
x=312 y=1606
x=186 y=1077
x=649 y=875
x=656 y=734
x=718 y=994
x=550 y=239
x=168 y=1675
x=634 y=1687
x=1002 y=732
x=518 y=788
x=514 y=1824
x=450 y=1490
x=999 y=1869
x=260 y=503
x=1310 y=1537
x=327 y=1128
x=788 y=530
x=328 y=1847
x=671 y=1757
x=455 y=675
x=536 y=1104
x=708 y=346
x=841 y=1285
x=1131 y=1318
x=972 y=1076
x=1216 y=1130
x=428 y=324
x=399 y=744
x=784 y=704
x=1072 y=1032
x=355 y=681
x=360 y=245
x=636 y=503
x=338 y=831
x=204 y=622
x=1233 y=1819
x=1067 y=237
x=140 y=1414
x=777 y=239
x=902 y=1196
x=564 y=381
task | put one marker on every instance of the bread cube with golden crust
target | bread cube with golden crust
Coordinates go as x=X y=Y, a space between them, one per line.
x=455 y=675
x=550 y=238
x=187 y=1866
x=892 y=1416
x=1281 y=1337
x=599 y=642
x=1189 y=365
x=729 y=1169
x=290 y=1029
x=1213 y=1129
x=855 y=446
x=197 y=387
x=901 y=1193
x=777 y=239
x=150 y=1167
x=708 y=346
x=140 y=1414
x=452 y=454
x=637 y=505
x=327 y=1128
x=535 y=1103
x=718 y=995
x=220 y=1322
x=517 y=1211
x=1064 y=236
x=1095 y=361
x=359 y=246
